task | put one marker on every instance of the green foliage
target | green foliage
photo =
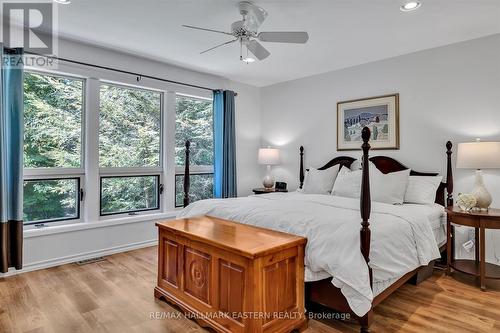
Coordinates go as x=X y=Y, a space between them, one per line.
x=194 y=122
x=385 y=129
x=375 y=132
x=129 y=127
x=202 y=187
x=129 y=136
x=50 y=199
x=122 y=194
x=52 y=121
x=53 y=108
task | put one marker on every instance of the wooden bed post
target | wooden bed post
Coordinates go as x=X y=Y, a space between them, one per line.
x=365 y=208
x=301 y=173
x=186 y=175
x=449 y=175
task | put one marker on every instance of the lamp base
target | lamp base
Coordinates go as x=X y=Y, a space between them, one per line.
x=268 y=181
x=480 y=192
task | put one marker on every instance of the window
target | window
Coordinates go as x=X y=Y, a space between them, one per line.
x=129 y=149
x=108 y=138
x=53 y=140
x=121 y=194
x=194 y=122
x=51 y=199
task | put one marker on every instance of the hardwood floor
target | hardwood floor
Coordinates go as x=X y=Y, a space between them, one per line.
x=116 y=295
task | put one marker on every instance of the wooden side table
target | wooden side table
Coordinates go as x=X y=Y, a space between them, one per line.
x=480 y=221
x=263 y=190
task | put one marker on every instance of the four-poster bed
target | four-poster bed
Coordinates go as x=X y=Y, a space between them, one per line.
x=323 y=292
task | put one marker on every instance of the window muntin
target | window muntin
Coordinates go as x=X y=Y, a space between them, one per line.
x=49 y=200
x=129 y=194
x=53 y=119
x=129 y=127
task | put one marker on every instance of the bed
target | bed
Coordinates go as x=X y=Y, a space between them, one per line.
x=347 y=269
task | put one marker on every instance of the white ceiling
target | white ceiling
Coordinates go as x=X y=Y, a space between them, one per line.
x=342 y=33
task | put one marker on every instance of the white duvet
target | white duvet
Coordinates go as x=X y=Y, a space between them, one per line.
x=402 y=238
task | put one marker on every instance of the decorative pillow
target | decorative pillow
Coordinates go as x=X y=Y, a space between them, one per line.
x=422 y=189
x=320 y=181
x=348 y=183
x=388 y=188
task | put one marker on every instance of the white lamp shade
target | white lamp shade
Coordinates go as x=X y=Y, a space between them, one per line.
x=478 y=155
x=269 y=156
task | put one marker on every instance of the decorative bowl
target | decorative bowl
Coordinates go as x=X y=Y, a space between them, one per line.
x=466 y=201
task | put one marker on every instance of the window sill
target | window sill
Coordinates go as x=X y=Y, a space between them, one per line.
x=71 y=227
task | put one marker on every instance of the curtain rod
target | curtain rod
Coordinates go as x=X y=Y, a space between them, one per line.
x=139 y=76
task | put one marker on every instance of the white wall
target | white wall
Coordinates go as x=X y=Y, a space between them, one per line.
x=59 y=244
x=447 y=93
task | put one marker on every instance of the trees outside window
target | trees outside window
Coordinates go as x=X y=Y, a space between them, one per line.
x=129 y=142
x=124 y=164
x=194 y=122
x=53 y=145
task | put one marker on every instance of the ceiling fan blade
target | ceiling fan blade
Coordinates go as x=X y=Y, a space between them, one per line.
x=204 y=29
x=225 y=43
x=299 y=37
x=258 y=50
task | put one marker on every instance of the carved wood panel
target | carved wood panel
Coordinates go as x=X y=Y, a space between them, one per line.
x=197 y=274
x=170 y=262
x=231 y=288
x=280 y=299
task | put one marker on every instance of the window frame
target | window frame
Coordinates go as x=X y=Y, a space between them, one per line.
x=58 y=173
x=115 y=172
x=79 y=198
x=90 y=171
x=159 y=190
x=193 y=169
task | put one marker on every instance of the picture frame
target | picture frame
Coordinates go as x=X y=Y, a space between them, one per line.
x=379 y=113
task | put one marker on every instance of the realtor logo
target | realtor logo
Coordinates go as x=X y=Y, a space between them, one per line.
x=29 y=25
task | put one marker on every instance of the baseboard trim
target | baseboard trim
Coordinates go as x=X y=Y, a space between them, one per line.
x=80 y=256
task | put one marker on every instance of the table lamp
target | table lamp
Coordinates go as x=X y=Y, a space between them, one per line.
x=479 y=155
x=269 y=156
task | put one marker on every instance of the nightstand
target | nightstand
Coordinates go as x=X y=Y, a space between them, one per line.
x=263 y=190
x=480 y=221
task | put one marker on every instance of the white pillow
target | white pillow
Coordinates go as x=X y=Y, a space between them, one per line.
x=348 y=183
x=422 y=189
x=387 y=188
x=320 y=181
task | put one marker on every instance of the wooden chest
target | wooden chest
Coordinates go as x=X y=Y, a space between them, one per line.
x=232 y=277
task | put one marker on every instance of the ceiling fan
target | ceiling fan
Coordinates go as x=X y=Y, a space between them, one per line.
x=245 y=31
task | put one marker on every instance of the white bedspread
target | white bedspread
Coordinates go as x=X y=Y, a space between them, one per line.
x=402 y=238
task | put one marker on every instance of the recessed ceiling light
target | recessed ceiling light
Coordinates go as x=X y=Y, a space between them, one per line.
x=63 y=2
x=248 y=60
x=410 y=5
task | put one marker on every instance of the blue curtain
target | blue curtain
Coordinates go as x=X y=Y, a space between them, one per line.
x=224 y=145
x=11 y=159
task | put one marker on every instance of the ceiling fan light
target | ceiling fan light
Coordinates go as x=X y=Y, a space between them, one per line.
x=248 y=60
x=410 y=6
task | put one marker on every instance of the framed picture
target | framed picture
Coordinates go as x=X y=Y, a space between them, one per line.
x=380 y=114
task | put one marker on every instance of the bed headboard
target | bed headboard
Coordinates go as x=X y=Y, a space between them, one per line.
x=387 y=164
